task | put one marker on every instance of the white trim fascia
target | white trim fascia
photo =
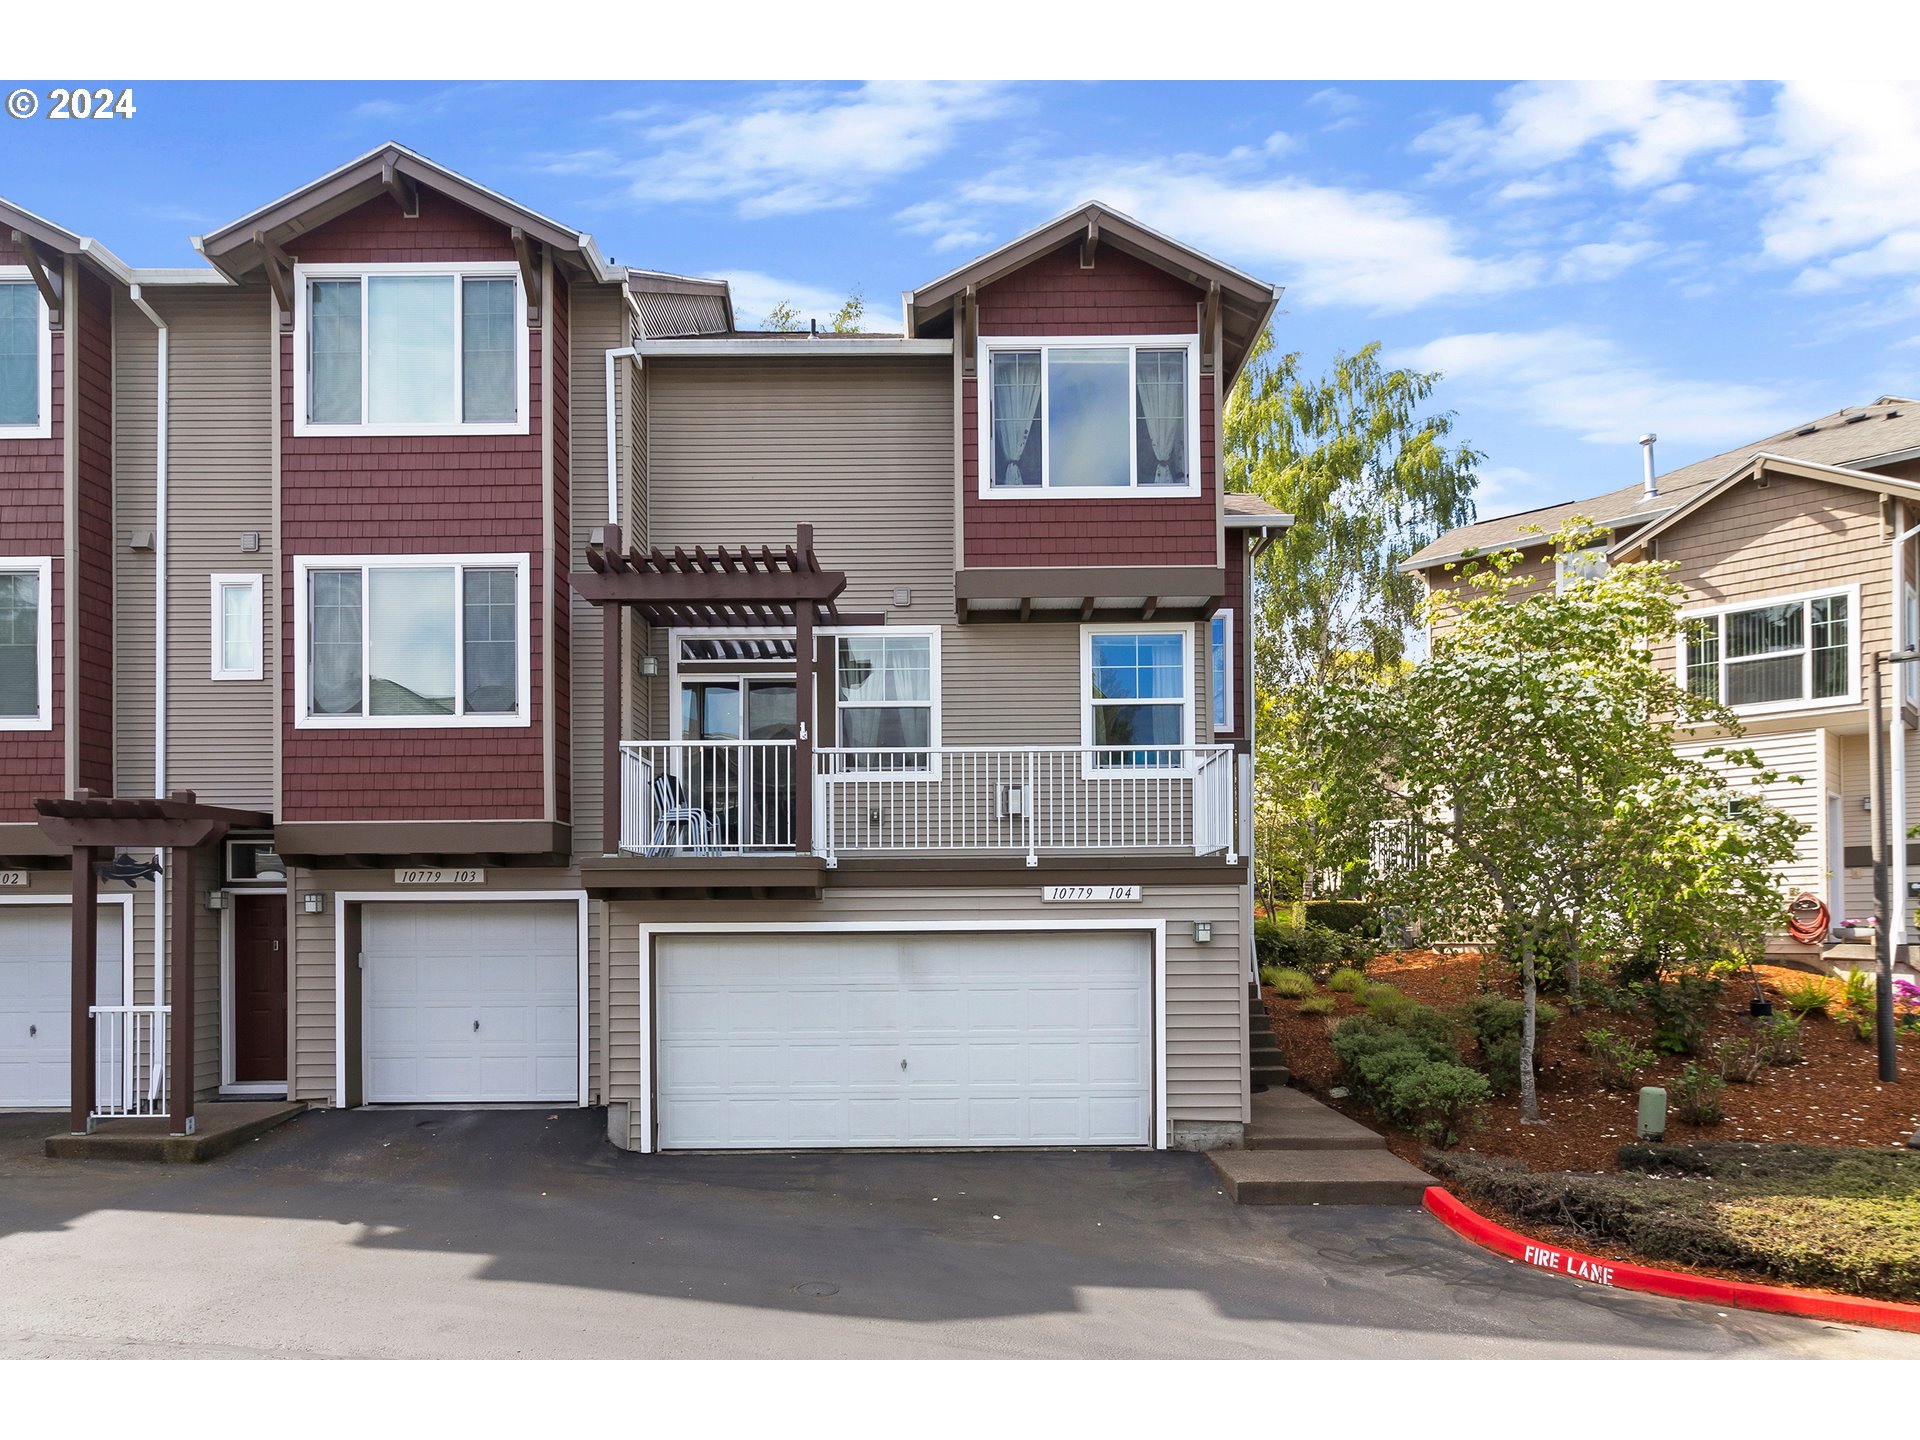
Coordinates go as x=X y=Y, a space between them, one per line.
x=228 y=1085
x=1156 y=927
x=40 y=566
x=303 y=275
x=815 y=345
x=519 y=718
x=1801 y=597
x=462 y=894
x=42 y=427
x=249 y=579
x=1133 y=489
x=1186 y=628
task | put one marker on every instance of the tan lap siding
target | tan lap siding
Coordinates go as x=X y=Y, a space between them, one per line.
x=1205 y=1020
x=1797 y=759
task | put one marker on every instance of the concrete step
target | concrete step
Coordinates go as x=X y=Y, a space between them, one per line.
x=1288 y=1120
x=1318 y=1177
x=1272 y=1076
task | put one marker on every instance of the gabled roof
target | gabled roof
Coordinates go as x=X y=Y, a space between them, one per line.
x=1766 y=463
x=48 y=236
x=389 y=167
x=1246 y=303
x=1858 y=438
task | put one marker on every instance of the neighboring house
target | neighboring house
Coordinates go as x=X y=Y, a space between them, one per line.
x=1799 y=561
x=777 y=740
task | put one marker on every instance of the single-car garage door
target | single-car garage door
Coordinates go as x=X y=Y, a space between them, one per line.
x=470 y=1002
x=778 y=1041
x=36 y=990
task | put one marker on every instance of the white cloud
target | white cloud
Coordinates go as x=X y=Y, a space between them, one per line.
x=1378 y=249
x=1647 y=130
x=1841 y=165
x=755 y=293
x=789 y=151
x=1504 y=489
x=1602 y=260
x=1573 y=379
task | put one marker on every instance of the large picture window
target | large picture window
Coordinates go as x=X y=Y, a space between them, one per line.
x=412 y=641
x=26 y=358
x=886 y=688
x=1794 y=651
x=411 y=349
x=1089 y=415
x=1136 y=696
x=26 y=645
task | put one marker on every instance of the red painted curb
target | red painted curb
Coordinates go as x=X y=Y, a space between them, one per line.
x=1674 y=1284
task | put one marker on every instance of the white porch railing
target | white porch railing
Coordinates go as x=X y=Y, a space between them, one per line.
x=706 y=797
x=130 y=1059
x=1025 y=800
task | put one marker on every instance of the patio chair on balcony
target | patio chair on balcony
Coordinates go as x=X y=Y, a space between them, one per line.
x=674 y=816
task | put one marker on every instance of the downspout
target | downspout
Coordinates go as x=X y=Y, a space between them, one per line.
x=159 y=619
x=1897 y=898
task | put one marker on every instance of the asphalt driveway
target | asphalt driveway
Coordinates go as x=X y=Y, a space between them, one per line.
x=522 y=1233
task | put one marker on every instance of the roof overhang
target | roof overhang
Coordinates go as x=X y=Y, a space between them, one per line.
x=1086 y=593
x=1246 y=304
x=1767 y=463
x=799 y=348
x=393 y=170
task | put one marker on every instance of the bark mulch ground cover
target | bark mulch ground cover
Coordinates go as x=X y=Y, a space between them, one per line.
x=1833 y=1098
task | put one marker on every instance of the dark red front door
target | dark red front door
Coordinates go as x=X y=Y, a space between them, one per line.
x=259 y=988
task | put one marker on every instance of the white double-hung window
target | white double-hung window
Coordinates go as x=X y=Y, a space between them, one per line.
x=1136 y=696
x=26 y=643
x=410 y=349
x=26 y=358
x=1089 y=416
x=1793 y=651
x=887 y=698
x=411 y=641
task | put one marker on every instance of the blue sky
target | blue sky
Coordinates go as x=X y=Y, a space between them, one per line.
x=1584 y=261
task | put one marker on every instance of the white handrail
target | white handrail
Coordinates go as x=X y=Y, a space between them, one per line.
x=130 y=1057
x=707 y=797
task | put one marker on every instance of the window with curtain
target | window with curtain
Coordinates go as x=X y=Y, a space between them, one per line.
x=1137 y=698
x=1782 y=653
x=414 y=351
x=237 y=627
x=19 y=354
x=415 y=643
x=20 y=657
x=884 y=689
x=1089 y=416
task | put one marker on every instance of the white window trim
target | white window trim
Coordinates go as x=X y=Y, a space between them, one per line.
x=1225 y=617
x=932 y=632
x=255 y=582
x=983 y=417
x=41 y=566
x=42 y=427
x=1850 y=593
x=519 y=717
x=1091 y=771
x=486 y=269
x=1911 y=634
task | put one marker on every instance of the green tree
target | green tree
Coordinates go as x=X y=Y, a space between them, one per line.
x=783 y=317
x=1532 y=756
x=846 y=320
x=1370 y=474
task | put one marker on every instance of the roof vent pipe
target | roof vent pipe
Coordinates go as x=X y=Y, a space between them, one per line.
x=1646 y=463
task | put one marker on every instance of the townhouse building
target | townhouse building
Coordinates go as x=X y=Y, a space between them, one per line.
x=1799 y=557
x=534 y=687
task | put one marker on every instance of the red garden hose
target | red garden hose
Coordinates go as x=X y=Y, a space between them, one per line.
x=1807 y=920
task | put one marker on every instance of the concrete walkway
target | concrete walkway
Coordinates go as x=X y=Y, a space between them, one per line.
x=403 y=1233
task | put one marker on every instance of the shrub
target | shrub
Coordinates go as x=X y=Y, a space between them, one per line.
x=1287 y=984
x=1495 y=1022
x=1619 y=1061
x=1780 y=1040
x=1615 y=1000
x=1317 y=1005
x=1312 y=948
x=1697 y=1094
x=1739 y=1060
x=1437 y=1100
x=1809 y=996
x=1682 y=1009
x=1348 y=979
x=1856 y=1003
x=1347 y=917
x=1407 y=1068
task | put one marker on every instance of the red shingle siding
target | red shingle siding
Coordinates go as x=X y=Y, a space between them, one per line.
x=33 y=762
x=367 y=495
x=93 y=423
x=1119 y=296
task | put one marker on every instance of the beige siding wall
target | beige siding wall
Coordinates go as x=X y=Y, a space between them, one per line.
x=1799 y=757
x=598 y=324
x=1537 y=569
x=1206 y=1012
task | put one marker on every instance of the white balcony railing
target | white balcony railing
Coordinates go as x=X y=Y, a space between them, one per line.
x=706 y=797
x=130 y=1058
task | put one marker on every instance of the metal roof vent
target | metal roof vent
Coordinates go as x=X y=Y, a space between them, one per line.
x=1646 y=464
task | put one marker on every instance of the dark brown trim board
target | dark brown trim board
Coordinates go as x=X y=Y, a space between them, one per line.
x=1076 y=582
x=381 y=842
x=640 y=877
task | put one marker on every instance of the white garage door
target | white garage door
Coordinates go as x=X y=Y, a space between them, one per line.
x=36 y=988
x=855 y=1039
x=470 y=1002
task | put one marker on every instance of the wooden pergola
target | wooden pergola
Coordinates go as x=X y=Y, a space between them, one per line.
x=723 y=588
x=90 y=824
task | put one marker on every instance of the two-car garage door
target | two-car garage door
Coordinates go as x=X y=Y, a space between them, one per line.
x=929 y=1039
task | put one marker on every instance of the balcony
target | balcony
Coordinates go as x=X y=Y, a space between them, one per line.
x=719 y=798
